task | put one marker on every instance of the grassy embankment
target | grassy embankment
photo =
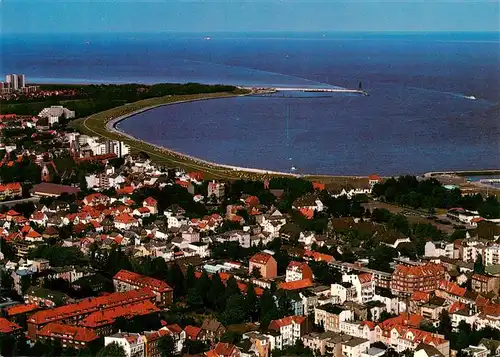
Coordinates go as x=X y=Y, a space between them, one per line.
x=96 y=125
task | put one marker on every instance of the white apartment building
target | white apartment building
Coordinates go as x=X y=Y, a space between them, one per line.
x=55 y=112
x=216 y=189
x=200 y=249
x=354 y=347
x=472 y=250
x=364 y=285
x=132 y=343
x=440 y=249
x=492 y=255
x=343 y=292
x=291 y=328
x=330 y=316
x=100 y=146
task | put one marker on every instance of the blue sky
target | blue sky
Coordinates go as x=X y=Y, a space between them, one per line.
x=45 y=16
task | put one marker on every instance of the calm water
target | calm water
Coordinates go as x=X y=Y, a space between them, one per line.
x=416 y=119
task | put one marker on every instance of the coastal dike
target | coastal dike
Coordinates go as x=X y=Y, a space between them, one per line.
x=103 y=124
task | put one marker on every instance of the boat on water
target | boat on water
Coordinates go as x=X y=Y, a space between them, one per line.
x=207 y=38
x=470 y=97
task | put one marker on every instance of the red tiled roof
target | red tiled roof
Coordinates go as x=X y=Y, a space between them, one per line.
x=405 y=319
x=285 y=321
x=174 y=328
x=307 y=212
x=14 y=186
x=491 y=309
x=125 y=218
x=142 y=281
x=371 y=325
x=7 y=326
x=95 y=197
x=319 y=186
x=223 y=349
x=20 y=309
x=456 y=306
x=127 y=190
x=420 y=296
x=365 y=278
x=261 y=258
x=295 y=285
x=374 y=177
x=252 y=201
x=33 y=234
x=317 y=256
x=184 y=184
x=451 y=288
x=108 y=316
x=75 y=333
x=427 y=270
x=12 y=213
x=143 y=210
x=90 y=305
x=192 y=331
x=196 y=175
x=150 y=201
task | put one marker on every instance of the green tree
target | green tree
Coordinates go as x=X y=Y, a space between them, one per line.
x=194 y=299
x=478 y=265
x=166 y=346
x=190 y=277
x=175 y=278
x=112 y=350
x=203 y=285
x=216 y=292
x=232 y=287
x=251 y=302
x=235 y=311
x=445 y=327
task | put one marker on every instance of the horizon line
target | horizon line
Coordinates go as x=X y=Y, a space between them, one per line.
x=252 y=31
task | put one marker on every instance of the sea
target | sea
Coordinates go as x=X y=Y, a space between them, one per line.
x=433 y=104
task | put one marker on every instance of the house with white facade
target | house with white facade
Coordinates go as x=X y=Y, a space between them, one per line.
x=132 y=343
x=291 y=328
x=364 y=285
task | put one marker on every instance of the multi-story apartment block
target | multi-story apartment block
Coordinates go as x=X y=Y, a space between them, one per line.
x=491 y=255
x=441 y=249
x=472 y=248
x=407 y=279
x=216 y=189
x=266 y=265
x=298 y=271
x=68 y=335
x=126 y=280
x=485 y=284
x=330 y=316
x=72 y=313
x=364 y=285
x=291 y=329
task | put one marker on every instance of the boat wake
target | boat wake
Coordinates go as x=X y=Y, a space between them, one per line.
x=458 y=95
x=304 y=81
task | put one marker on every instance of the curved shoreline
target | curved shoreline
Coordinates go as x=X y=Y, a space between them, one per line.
x=111 y=126
x=194 y=163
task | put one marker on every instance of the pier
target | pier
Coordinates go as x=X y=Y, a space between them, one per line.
x=306 y=89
